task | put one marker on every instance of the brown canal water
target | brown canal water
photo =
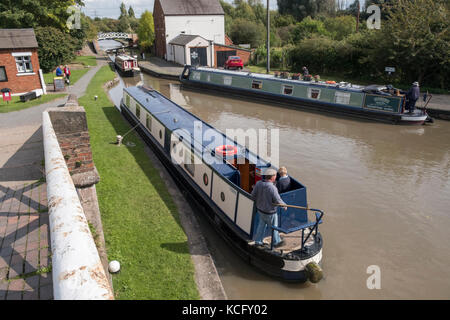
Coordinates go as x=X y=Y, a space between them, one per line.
x=385 y=190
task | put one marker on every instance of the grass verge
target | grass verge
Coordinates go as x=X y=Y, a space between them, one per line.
x=86 y=60
x=15 y=104
x=76 y=74
x=140 y=220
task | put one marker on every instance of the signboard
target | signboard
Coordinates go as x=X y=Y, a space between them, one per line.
x=383 y=103
x=389 y=69
x=6 y=96
x=59 y=84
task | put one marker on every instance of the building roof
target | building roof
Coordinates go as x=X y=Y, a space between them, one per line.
x=191 y=7
x=17 y=39
x=184 y=39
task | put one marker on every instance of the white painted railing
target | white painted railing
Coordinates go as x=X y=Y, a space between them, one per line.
x=77 y=271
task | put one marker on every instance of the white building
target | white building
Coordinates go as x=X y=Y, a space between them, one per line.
x=204 y=18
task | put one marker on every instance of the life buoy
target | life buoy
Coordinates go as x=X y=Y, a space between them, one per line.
x=331 y=82
x=226 y=150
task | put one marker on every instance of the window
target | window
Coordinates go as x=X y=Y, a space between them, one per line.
x=138 y=111
x=227 y=80
x=189 y=163
x=196 y=75
x=342 y=97
x=288 y=90
x=148 y=122
x=3 y=76
x=256 y=84
x=23 y=64
x=127 y=100
x=313 y=93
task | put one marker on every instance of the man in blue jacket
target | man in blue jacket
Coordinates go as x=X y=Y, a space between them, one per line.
x=265 y=195
x=413 y=95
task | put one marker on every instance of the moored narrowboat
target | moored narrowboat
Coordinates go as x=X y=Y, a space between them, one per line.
x=220 y=174
x=126 y=65
x=379 y=103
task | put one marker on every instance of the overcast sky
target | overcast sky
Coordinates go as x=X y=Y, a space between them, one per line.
x=110 y=8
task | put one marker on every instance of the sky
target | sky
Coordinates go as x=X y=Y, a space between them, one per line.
x=110 y=8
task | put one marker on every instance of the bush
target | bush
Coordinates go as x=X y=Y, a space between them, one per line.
x=247 y=32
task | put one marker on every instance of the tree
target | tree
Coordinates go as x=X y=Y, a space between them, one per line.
x=55 y=47
x=300 y=9
x=131 y=12
x=124 y=24
x=307 y=28
x=340 y=27
x=146 y=31
x=244 y=31
x=35 y=13
x=418 y=41
x=123 y=11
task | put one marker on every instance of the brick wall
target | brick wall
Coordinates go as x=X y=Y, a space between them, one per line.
x=71 y=130
x=19 y=84
x=160 y=30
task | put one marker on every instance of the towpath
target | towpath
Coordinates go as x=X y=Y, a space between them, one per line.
x=25 y=268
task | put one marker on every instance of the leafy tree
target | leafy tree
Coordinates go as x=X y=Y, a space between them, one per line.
x=146 y=31
x=244 y=31
x=124 y=24
x=307 y=28
x=35 y=13
x=123 y=11
x=418 y=41
x=131 y=12
x=340 y=27
x=55 y=47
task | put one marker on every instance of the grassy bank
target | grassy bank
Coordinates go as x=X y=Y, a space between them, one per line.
x=140 y=220
x=15 y=104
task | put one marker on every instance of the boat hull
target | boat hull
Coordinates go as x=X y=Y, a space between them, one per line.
x=127 y=73
x=298 y=103
x=270 y=262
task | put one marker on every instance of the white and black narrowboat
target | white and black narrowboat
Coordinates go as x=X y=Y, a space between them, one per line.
x=126 y=65
x=220 y=174
x=379 y=103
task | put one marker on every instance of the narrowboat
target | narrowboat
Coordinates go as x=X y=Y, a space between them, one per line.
x=378 y=103
x=219 y=175
x=126 y=65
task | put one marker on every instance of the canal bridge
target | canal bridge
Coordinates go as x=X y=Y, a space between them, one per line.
x=115 y=35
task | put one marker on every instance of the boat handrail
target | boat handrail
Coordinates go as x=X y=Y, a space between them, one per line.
x=312 y=226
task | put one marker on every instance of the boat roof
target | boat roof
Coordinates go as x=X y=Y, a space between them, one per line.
x=125 y=57
x=340 y=85
x=174 y=117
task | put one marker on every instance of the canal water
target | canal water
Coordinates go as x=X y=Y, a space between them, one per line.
x=385 y=190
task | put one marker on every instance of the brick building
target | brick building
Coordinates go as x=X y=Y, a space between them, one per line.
x=19 y=63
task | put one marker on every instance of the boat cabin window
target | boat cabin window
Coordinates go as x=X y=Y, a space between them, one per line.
x=148 y=122
x=313 y=93
x=138 y=111
x=288 y=90
x=189 y=164
x=256 y=84
x=342 y=97
x=227 y=80
x=196 y=75
x=127 y=100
